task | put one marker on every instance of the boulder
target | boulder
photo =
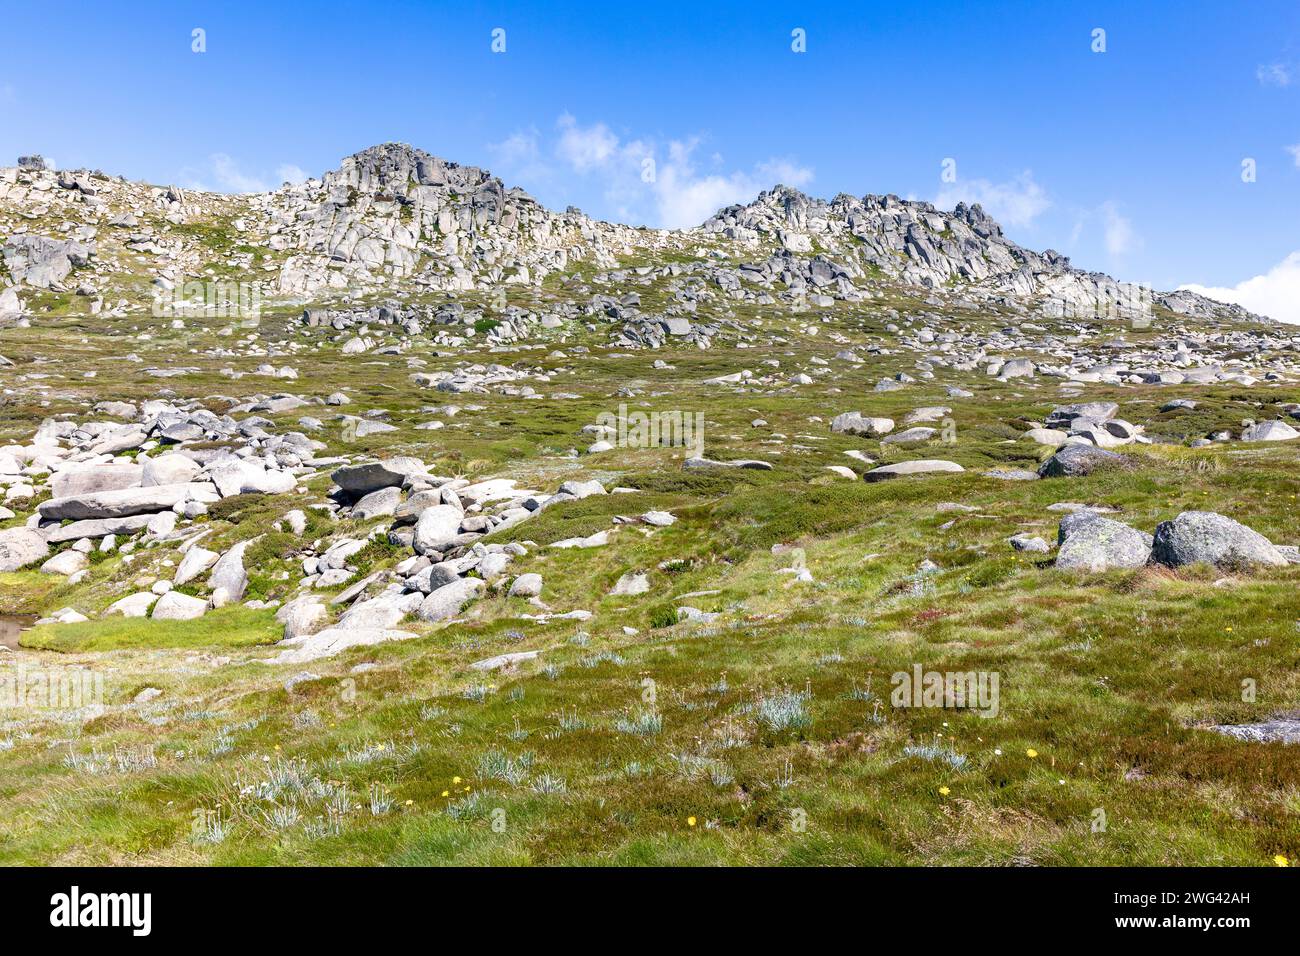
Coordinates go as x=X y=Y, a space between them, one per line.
x=1089 y=542
x=20 y=547
x=1092 y=411
x=65 y=562
x=526 y=585
x=377 y=504
x=855 y=423
x=334 y=640
x=922 y=466
x=1073 y=461
x=228 y=579
x=175 y=606
x=196 y=561
x=98 y=528
x=437 y=528
x=169 y=470
x=133 y=605
x=118 y=504
x=92 y=479
x=1204 y=537
x=1270 y=431
x=362 y=479
x=447 y=601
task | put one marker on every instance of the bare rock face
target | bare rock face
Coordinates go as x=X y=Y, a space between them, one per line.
x=44 y=263
x=1204 y=537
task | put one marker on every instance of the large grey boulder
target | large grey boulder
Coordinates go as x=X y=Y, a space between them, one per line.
x=855 y=423
x=1098 y=412
x=699 y=462
x=175 y=606
x=196 y=561
x=910 y=436
x=120 y=503
x=437 y=528
x=65 y=562
x=234 y=476
x=377 y=504
x=228 y=579
x=92 y=479
x=1270 y=431
x=371 y=476
x=922 y=466
x=334 y=640
x=1074 y=461
x=20 y=547
x=133 y=605
x=526 y=585
x=1204 y=537
x=97 y=528
x=42 y=262
x=302 y=615
x=383 y=611
x=447 y=601
x=1089 y=542
x=1017 y=368
x=169 y=470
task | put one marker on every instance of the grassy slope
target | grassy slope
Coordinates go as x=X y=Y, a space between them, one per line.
x=1105 y=679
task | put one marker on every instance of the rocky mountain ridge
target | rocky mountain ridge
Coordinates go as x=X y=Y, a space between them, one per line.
x=396 y=221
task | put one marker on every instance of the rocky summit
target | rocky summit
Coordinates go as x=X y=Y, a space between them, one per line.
x=350 y=512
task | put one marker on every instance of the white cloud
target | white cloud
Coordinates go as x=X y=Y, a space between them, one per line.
x=585 y=149
x=1120 y=238
x=1295 y=153
x=231 y=179
x=640 y=180
x=1273 y=74
x=289 y=173
x=1015 y=203
x=1276 y=293
x=8 y=94
x=222 y=173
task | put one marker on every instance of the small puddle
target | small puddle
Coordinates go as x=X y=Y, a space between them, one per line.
x=11 y=625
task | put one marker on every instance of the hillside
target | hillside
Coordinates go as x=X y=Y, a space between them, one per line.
x=392 y=518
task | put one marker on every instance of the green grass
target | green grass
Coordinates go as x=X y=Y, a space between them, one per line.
x=1110 y=680
x=224 y=627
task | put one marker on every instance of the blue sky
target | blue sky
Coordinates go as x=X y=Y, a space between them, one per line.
x=1128 y=160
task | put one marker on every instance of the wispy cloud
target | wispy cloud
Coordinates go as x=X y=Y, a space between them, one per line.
x=1120 y=238
x=1276 y=293
x=640 y=180
x=222 y=173
x=1017 y=202
x=289 y=173
x=1295 y=153
x=1273 y=74
x=8 y=94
